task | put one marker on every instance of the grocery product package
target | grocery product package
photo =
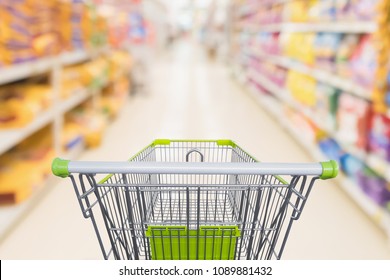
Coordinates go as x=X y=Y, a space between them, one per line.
x=301 y=11
x=351 y=166
x=353 y=115
x=72 y=135
x=374 y=186
x=303 y=125
x=114 y=96
x=326 y=105
x=364 y=62
x=331 y=148
x=73 y=79
x=119 y=63
x=302 y=87
x=21 y=103
x=89 y=122
x=348 y=44
x=326 y=46
x=379 y=136
x=299 y=46
x=26 y=167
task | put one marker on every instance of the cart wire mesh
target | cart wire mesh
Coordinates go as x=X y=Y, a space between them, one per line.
x=192 y=216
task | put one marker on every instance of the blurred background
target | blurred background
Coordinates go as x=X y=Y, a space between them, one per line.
x=289 y=80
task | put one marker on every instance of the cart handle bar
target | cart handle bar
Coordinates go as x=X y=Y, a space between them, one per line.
x=325 y=170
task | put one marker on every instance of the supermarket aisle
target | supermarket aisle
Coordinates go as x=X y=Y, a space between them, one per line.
x=190 y=97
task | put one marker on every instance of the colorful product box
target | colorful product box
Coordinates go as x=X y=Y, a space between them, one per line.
x=353 y=116
x=374 y=186
x=379 y=136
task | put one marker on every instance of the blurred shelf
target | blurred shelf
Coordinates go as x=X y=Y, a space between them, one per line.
x=76 y=98
x=11 y=137
x=379 y=214
x=317 y=74
x=20 y=71
x=380 y=166
x=376 y=163
x=25 y=70
x=74 y=57
x=245 y=9
x=75 y=151
x=12 y=215
x=336 y=26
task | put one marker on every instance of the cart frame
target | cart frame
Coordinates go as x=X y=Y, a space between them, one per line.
x=162 y=205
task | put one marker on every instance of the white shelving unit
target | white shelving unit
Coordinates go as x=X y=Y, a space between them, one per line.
x=317 y=74
x=339 y=27
x=272 y=105
x=11 y=137
x=74 y=57
x=10 y=215
x=244 y=30
x=25 y=70
x=44 y=65
x=376 y=163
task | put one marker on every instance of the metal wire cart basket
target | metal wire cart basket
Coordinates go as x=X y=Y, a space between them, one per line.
x=192 y=200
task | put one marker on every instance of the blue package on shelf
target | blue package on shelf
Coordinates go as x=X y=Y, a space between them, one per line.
x=331 y=149
x=351 y=166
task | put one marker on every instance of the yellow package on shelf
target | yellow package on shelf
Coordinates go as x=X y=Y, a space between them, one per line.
x=25 y=167
x=18 y=56
x=14 y=115
x=38 y=149
x=17 y=181
x=114 y=97
x=92 y=124
x=299 y=46
x=8 y=13
x=301 y=11
x=94 y=132
x=302 y=88
x=46 y=44
x=63 y=23
x=3 y=61
x=72 y=134
x=92 y=71
x=120 y=63
x=20 y=104
x=11 y=34
x=86 y=77
x=72 y=80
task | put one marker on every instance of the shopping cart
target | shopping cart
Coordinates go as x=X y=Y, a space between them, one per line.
x=186 y=200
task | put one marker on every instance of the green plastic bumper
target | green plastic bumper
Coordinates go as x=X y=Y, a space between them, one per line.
x=330 y=169
x=59 y=167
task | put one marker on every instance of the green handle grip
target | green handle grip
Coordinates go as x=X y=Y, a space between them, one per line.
x=330 y=169
x=59 y=167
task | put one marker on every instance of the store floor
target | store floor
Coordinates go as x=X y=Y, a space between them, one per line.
x=190 y=97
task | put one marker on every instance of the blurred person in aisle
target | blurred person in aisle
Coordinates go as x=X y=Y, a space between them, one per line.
x=171 y=35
